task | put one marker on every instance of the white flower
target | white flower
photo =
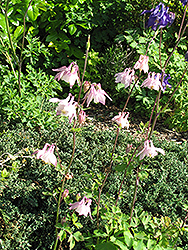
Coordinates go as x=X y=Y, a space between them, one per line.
x=126 y=77
x=142 y=63
x=68 y=74
x=149 y=150
x=121 y=119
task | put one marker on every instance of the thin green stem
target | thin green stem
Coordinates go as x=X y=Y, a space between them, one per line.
x=134 y=196
x=183 y=19
x=109 y=169
x=21 y=52
x=62 y=186
x=126 y=172
x=179 y=39
x=158 y=113
x=85 y=64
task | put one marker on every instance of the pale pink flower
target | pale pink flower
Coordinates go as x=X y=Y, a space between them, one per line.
x=47 y=154
x=68 y=74
x=66 y=107
x=149 y=150
x=121 y=119
x=126 y=77
x=81 y=116
x=142 y=63
x=97 y=94
x=153 y=81
x=82 y=207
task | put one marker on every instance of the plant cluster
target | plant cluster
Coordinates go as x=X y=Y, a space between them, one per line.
x=92 y=214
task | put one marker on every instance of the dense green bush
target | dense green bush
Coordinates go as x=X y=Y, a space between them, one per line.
x=29 y=187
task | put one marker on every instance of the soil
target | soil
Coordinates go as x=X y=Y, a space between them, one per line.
x=101 y=117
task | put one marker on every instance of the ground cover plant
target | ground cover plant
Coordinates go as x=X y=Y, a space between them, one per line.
x=68 y=185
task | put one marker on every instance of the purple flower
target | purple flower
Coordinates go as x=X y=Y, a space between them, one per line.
x=184 y=2
x=186 y=56
x=159 y=17
x=82 y=207
x=165 y=82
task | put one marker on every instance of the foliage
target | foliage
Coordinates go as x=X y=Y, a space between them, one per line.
x=29 y=188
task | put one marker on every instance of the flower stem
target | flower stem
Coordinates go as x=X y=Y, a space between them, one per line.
x=62 y=186
x=109 y=169
x=126 y=172
x=183 y=19
x=85 y=64
x=134 y=196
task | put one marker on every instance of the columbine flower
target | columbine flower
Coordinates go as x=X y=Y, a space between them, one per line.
x=66 y=107
x=165 y=82
x=159 y=17
x=97 y=94
x=68 y=74
x=153 y=81
x=149 y=150
x=82 y=207
x=126 y=77
x=142 y=63
x=184 y=2
x=121 y=119
x=81 y=116
x=47 y=155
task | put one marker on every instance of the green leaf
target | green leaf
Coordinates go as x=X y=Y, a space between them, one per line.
x=105 y=246
x=72 y=29
x=33 y=13
x=78 y=236
x=62 y=235
x=18 y=31
x=4 y=173
x=2 y=22
x=72 y=241
x=139 y=245
x=121 y=167
x=120 y=244
x=128 y=238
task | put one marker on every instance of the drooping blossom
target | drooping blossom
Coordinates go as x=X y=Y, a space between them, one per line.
x=142 y=63
x=121 y=119
x=165 y=82
x=149 y=150
x=126 y=77
x=184 y=2
x=68 y=74
x=66 y=107
x=82 y=116
x=159 y=17
x=82 y=207
x=95 y=92
x=47 y=154
x=153 y=81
